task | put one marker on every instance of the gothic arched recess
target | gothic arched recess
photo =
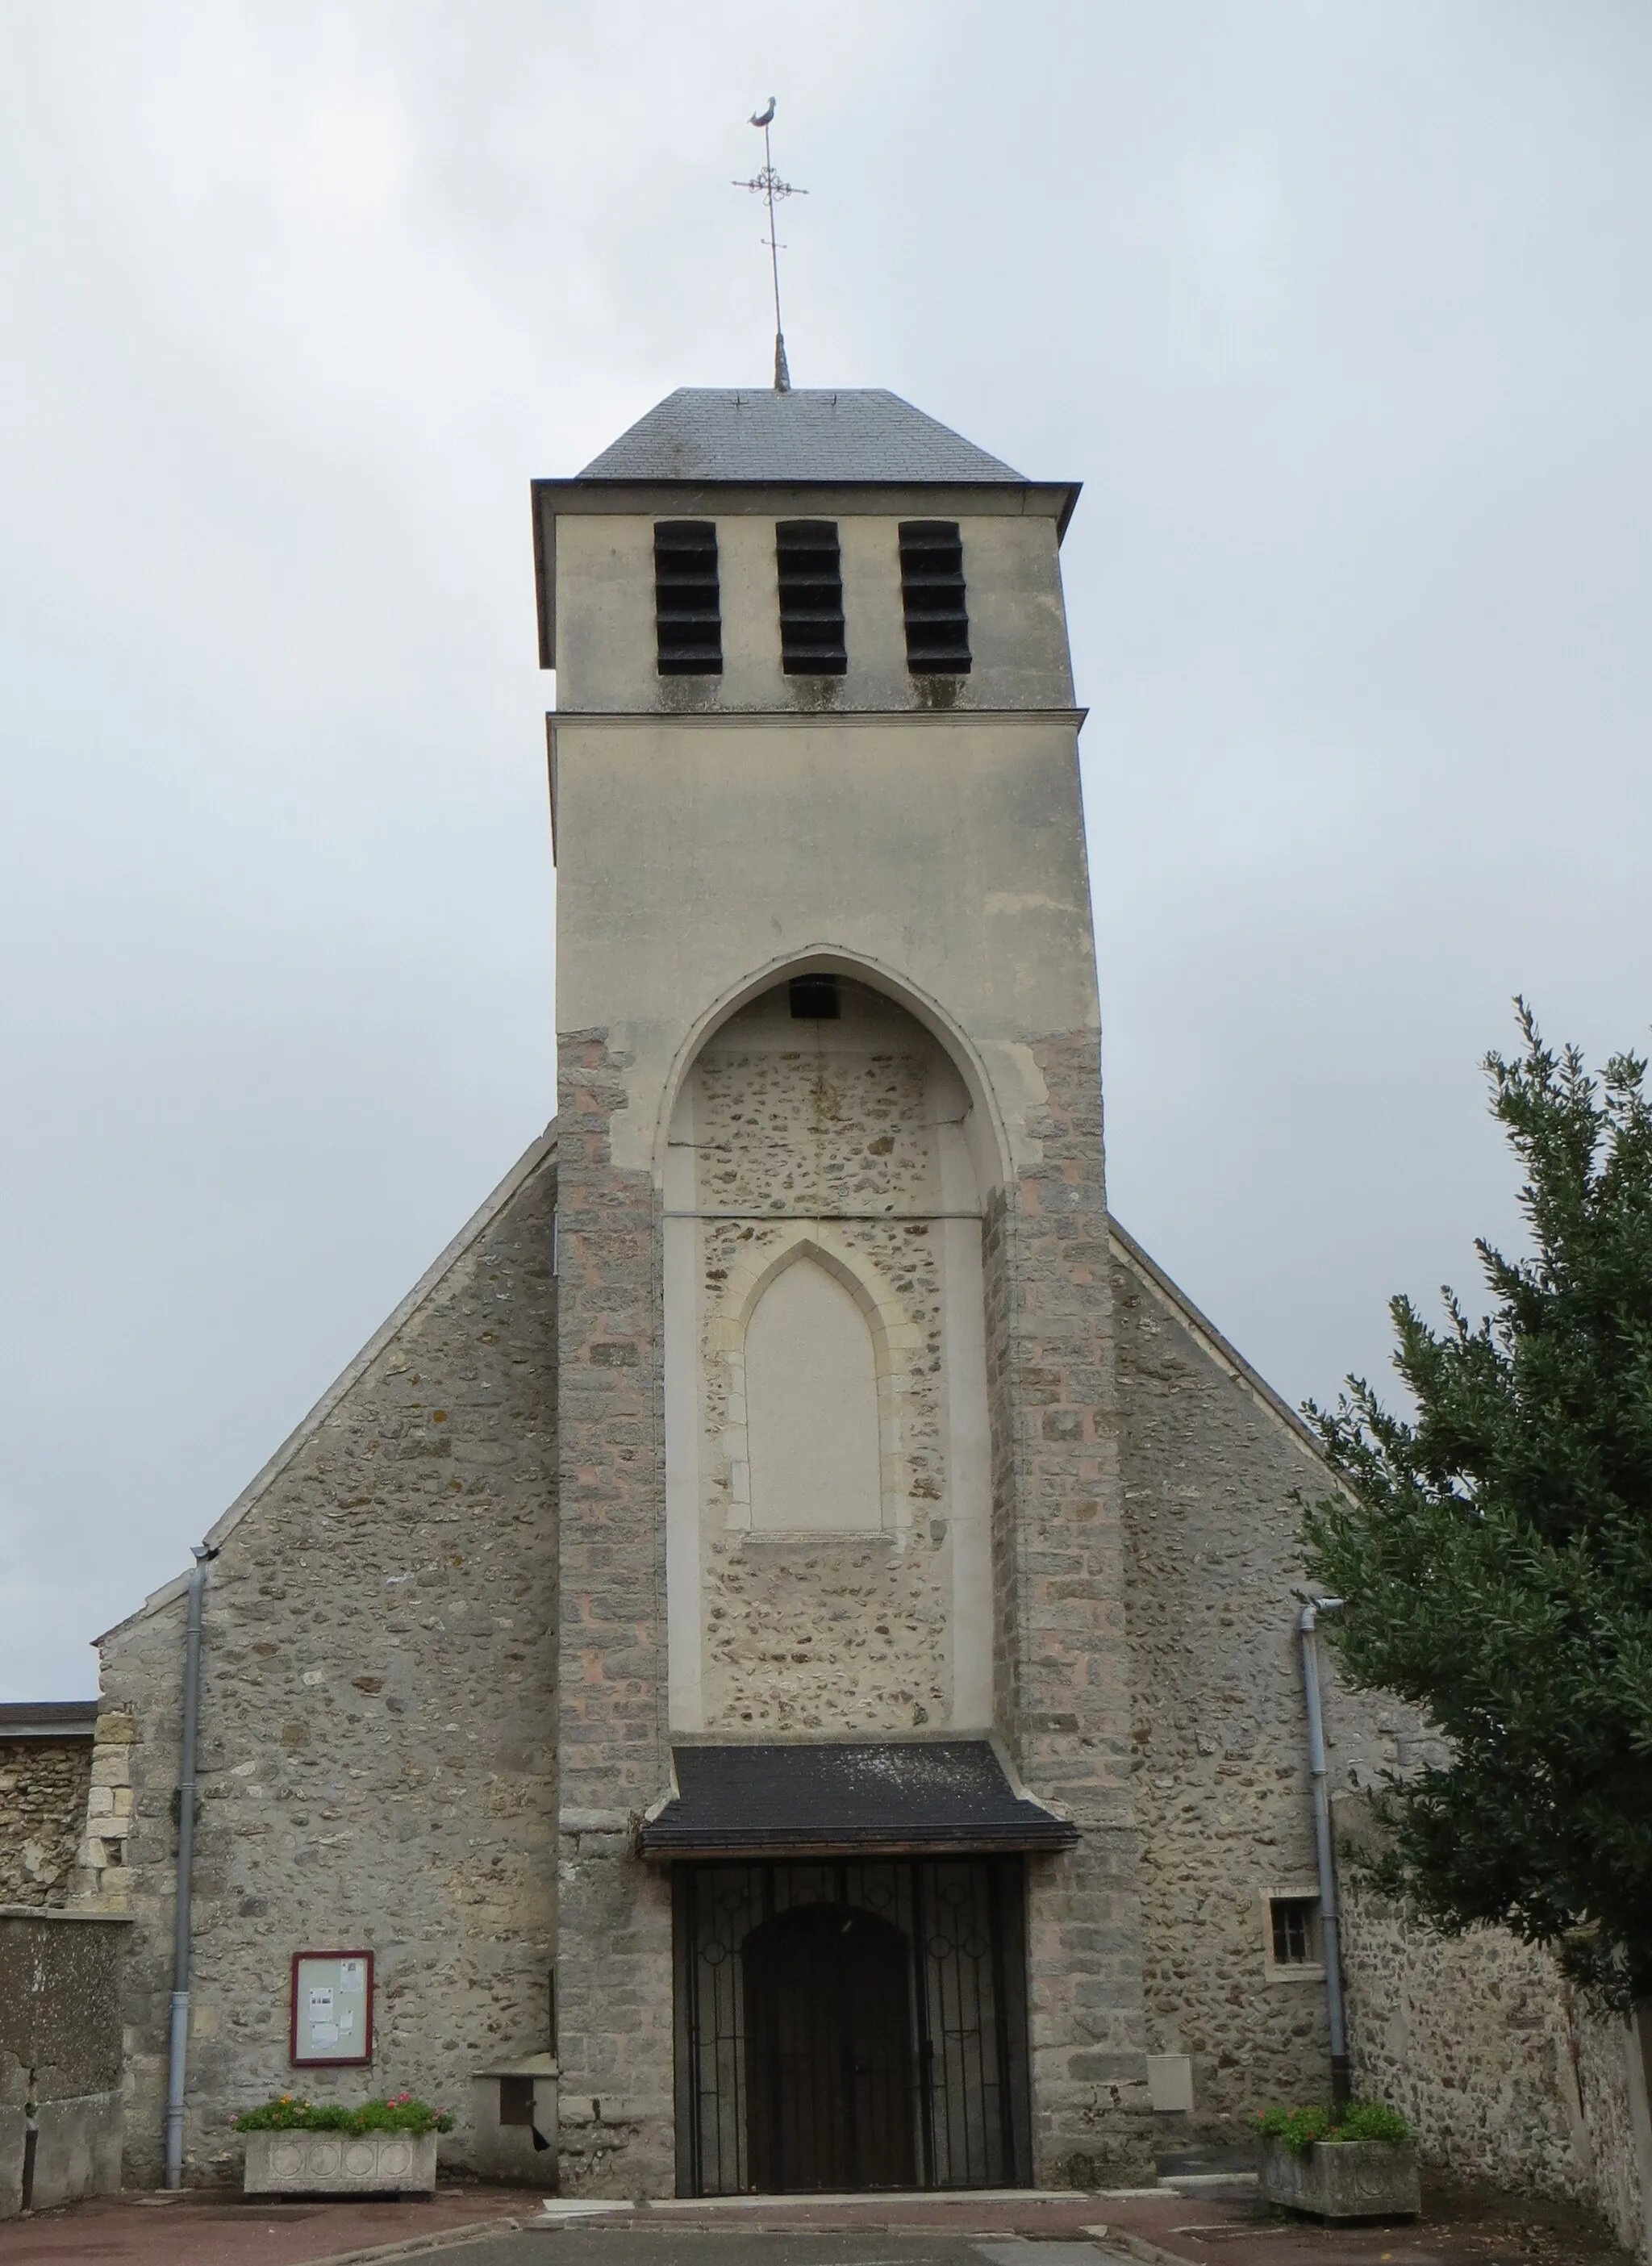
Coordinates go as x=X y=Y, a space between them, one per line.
x=828 y=1559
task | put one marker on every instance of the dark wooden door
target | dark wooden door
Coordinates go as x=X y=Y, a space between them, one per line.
x=828 y=2052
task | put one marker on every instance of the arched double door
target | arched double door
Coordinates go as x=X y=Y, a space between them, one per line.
x=850 y=2025
x=828 y=2052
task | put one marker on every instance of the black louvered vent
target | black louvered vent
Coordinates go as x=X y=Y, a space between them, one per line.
x=932 y=593
x=814 y=999
x=811 y=598
x=687 y=606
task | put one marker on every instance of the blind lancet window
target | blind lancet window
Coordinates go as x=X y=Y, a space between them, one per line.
x=932 y=595
x=687 y=604
x=813 y=1429
x=810 y=572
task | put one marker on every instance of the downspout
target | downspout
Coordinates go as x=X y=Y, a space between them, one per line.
x=1330 y=1932
x=178 y=2046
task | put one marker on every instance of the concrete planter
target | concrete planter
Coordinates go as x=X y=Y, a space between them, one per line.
x=1342 y=2179
x=340 y=2163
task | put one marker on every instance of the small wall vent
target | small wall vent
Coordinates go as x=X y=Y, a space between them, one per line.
x=932 y=595
x=809 y=569
x=814 y=999
x=687 y=602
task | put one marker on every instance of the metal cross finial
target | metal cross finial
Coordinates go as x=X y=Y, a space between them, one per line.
x=768 y=185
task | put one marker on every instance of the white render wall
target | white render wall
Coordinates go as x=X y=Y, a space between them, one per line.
x=941 y=857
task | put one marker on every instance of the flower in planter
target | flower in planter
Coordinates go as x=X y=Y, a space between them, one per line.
x=1371 y=2121
x=399 y=2113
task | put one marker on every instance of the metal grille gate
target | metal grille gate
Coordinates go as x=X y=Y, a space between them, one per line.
x=850 y=2024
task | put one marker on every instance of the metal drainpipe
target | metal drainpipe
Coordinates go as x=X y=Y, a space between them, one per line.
x=1330 y=1932
x=179 y=2047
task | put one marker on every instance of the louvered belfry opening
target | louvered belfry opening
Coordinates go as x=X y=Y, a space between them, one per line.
x=811 y=578
x=687 y=602
x=932 y=593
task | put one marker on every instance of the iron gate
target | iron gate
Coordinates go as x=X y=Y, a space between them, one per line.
x=850 y=2024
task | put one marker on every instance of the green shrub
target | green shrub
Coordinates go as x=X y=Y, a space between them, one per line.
x=1369 y=2121
x=288 y=2114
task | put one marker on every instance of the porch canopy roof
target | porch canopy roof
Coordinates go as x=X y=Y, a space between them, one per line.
x=883 y=1798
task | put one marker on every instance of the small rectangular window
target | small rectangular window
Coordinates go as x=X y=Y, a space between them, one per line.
x=516 y=2101
x=810 y=573
x=1294 y=1921
x=814 y=999
x=932 y=595
x=687 y=602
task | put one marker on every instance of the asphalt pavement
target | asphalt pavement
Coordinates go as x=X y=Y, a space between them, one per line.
x=1204 y=2223
x=636 y=2246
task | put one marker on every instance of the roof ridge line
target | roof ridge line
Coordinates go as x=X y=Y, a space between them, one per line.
x=1222 y=1350
x=483 y=1217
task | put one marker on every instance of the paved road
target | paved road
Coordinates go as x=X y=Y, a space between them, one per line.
x=638 y=2246
x=1460 y=2227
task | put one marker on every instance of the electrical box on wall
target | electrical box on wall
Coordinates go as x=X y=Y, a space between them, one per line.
x=1170 y=2084
x=332 y=2023
x=514 y=2121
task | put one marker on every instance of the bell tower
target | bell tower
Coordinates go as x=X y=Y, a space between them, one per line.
x=844 y=1699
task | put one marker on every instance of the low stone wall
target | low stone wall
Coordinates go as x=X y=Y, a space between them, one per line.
x=43 y=1785
x=59 y=2050
x=1506 y=2073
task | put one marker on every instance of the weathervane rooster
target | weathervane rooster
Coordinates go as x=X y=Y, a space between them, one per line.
x=768 y=185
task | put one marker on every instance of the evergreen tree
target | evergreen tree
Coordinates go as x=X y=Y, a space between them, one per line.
x=1495 y=1553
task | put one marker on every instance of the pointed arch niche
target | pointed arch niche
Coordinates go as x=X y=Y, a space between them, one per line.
x=828 y=1454
x=816 y=1344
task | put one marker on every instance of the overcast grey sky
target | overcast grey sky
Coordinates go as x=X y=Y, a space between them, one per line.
x=1340 y=311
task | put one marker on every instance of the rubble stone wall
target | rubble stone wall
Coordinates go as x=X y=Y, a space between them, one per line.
x=43 y=1786
x=378 y=1722
x=1222 y=1791
x=832 y=1632
x=1508 y=2074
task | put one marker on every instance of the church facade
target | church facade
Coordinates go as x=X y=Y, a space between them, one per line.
x=784 y=1649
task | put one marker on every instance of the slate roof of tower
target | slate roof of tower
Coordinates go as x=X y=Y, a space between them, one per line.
x=712 y=433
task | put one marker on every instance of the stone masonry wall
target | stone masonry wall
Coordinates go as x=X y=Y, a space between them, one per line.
x=376 y=1758
x=43 y=1785
x=1507 y=2076
x=846 y=1631
x=1064 y=1674
x=614 y=1946
x=1223 y=1789
x=1475 y=2039
x=1067 y=1682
